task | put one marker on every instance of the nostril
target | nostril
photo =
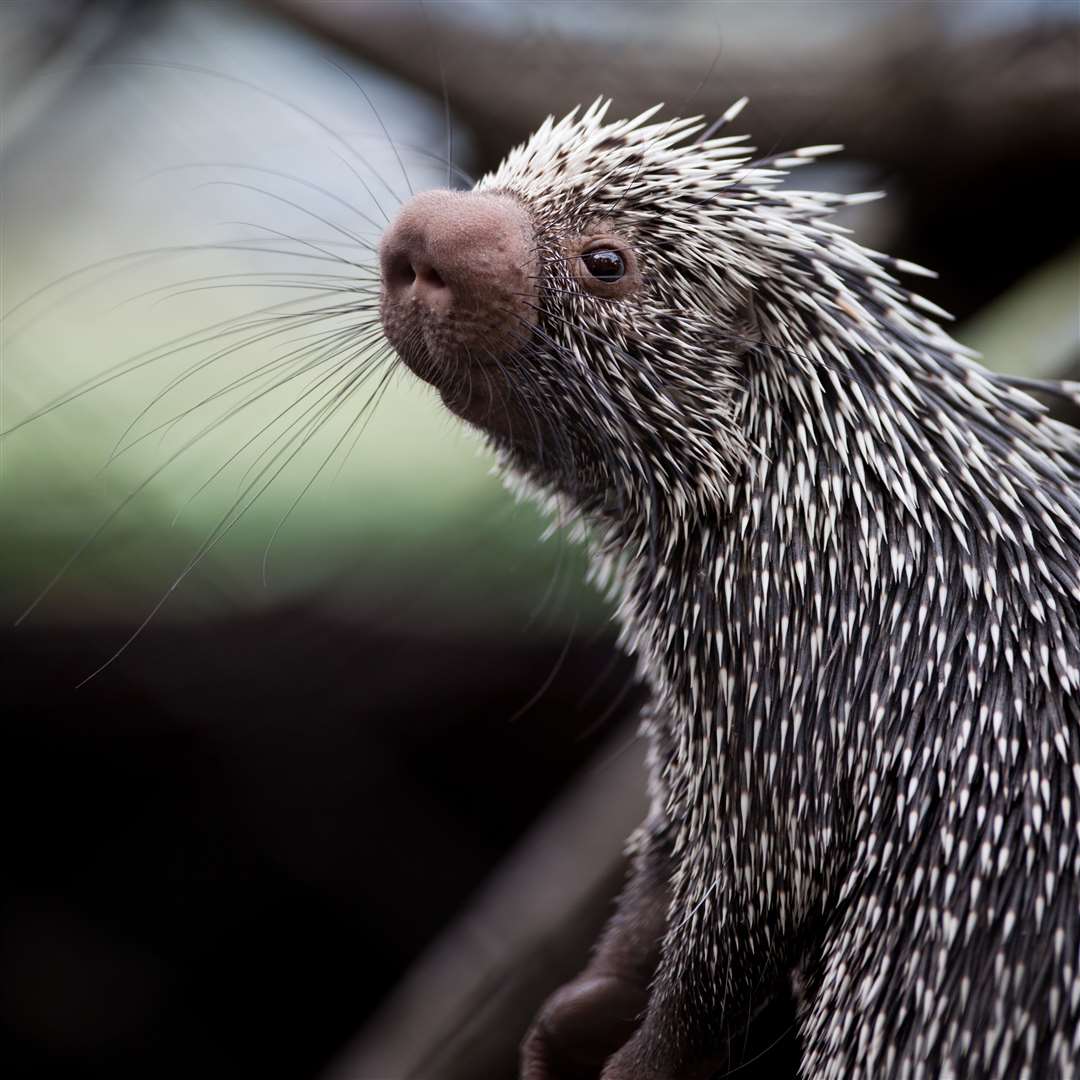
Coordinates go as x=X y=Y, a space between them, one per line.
x=404 y=271
x=398 y=272
x=429 y=276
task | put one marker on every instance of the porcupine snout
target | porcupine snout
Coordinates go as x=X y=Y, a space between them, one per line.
x=458 y=284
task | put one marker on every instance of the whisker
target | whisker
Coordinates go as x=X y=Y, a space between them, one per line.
x=347 y=233
x=231 y=518
x=236 y=409
x=209 y=72
x=349 y=389
x=375 y=112
x=281 y=175
x=306 y=243
x=352 y=354
x=433 y=38
x=556 y=668
x=251 y=245
x=319 y=290
x=263 y=369
x=170 y=348
x=395 y=366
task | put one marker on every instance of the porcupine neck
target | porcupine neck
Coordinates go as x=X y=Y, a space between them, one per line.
x=846 y=557
x=874 y=559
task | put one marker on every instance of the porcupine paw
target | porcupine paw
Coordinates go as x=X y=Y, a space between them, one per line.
x=643 y=1057
x=627 y=1064
x=580 y=1026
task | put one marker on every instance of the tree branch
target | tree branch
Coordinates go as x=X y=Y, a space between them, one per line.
x=464 y=1007
x=899 y=93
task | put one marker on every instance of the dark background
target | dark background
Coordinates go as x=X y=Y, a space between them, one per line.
x=223 y=851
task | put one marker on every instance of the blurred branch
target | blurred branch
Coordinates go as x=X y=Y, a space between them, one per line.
x=464 y=1007
x=898 y=94
x=1034 y=328
x=45 y=47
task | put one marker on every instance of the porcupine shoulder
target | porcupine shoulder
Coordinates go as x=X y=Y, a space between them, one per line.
x=847 y=558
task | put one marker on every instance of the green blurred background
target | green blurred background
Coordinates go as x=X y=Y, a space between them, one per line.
x=139 y=155
x=227 y=848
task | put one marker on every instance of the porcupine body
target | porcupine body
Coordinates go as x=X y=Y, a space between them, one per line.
x=847 y=558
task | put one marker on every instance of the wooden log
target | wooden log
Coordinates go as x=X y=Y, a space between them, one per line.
x=894 y=93
x=461 y=1011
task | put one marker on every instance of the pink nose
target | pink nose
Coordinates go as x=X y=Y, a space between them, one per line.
x=458 y=278
x=421 y=239
x=409 y=271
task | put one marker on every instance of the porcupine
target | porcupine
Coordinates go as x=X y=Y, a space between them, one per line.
x=847 y=559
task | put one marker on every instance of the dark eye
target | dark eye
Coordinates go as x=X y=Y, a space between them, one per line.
x=604 y=264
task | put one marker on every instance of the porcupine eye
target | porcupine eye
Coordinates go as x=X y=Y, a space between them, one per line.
x=605 y=264
x=607 y=267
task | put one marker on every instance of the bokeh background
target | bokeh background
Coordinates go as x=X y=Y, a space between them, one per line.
x=346 y=798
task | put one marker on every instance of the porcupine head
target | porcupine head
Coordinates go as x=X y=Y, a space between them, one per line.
x=844 y=554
